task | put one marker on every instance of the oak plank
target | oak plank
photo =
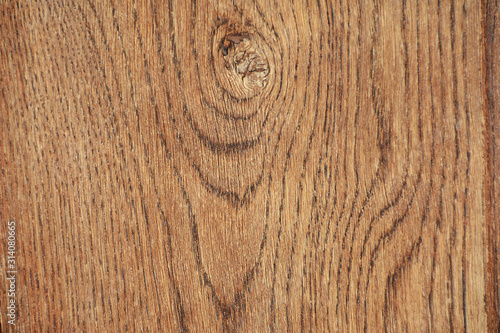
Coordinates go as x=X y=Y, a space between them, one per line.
x=259 y=166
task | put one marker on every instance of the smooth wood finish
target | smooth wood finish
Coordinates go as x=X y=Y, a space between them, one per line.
x=251 y=166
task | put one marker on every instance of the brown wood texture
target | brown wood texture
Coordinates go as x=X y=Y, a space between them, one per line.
x=251 y=166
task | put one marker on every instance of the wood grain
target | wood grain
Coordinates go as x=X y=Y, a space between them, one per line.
x=251 y=166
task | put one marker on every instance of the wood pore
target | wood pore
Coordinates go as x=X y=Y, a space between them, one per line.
x=251 y=166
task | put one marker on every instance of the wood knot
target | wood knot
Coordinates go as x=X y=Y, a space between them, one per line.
x=242 y=56
x=241 y=62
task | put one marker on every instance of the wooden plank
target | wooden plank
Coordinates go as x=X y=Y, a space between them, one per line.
x=242 y=166
x=492 y=136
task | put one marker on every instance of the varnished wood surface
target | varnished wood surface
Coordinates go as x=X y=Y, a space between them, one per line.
x=251 y=166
